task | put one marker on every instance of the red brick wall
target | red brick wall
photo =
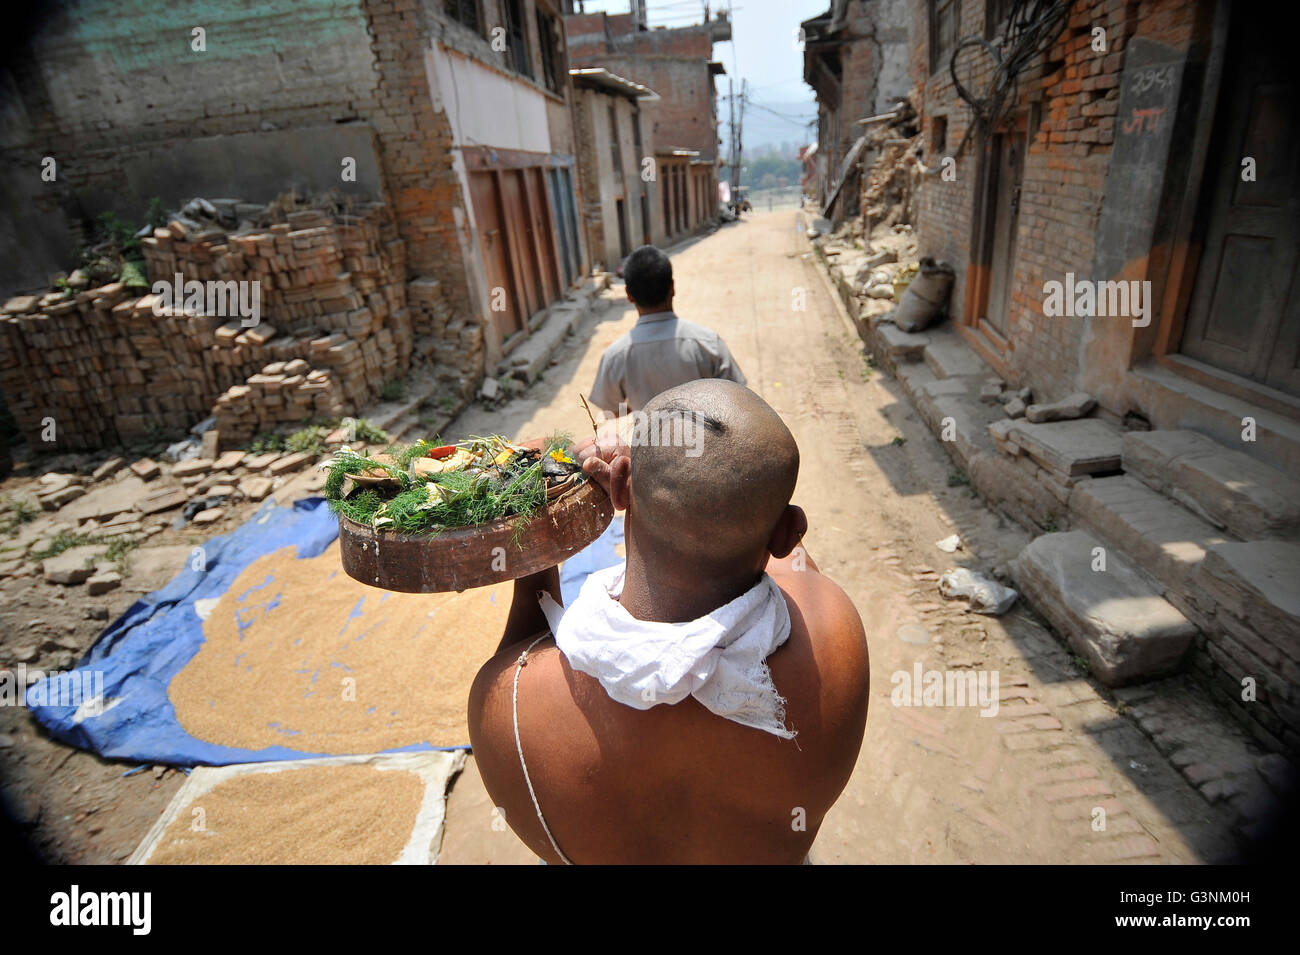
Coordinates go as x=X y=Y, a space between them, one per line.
x=683 y=118
x=1077 y=92
x=415 y=146
x=673 y=63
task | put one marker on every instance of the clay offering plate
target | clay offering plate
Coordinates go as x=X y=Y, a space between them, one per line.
x=480 y=555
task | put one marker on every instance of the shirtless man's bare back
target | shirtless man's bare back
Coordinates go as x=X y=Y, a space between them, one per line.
x=676 y=783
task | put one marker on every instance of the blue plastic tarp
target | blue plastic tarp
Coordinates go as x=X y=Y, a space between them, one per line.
x=140 y=653
x=135 y=659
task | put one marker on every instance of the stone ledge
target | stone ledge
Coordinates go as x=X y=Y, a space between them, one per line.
x=1259 y=583
x=1160 y=537
x=1070 y=449
x=1228 y=487
x=1113 y=617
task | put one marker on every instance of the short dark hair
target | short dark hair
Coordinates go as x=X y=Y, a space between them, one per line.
x=648 y=273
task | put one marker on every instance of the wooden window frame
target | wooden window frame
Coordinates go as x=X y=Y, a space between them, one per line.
x=551 y=50
x=936 y=53
x=455 y=10
x=518 y=51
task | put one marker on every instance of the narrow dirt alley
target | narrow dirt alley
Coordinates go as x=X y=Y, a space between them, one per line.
x=1058 y=774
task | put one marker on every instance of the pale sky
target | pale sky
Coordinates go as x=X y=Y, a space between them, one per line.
x=762 y=51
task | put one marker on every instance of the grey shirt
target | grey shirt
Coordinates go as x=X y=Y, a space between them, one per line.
x=662 y=351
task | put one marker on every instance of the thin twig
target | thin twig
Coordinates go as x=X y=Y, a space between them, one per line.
x=594 y=430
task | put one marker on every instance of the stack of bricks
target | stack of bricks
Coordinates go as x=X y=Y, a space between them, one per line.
x=332 y=291
x=452 y=345
x=280 y=393
x=88 y=368
x=334 y=285
x=302 y=267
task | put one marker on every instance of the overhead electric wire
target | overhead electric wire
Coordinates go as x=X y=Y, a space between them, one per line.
x=786 y=116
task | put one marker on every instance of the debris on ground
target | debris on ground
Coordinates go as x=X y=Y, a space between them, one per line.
x=949 y=545
x=986 y=595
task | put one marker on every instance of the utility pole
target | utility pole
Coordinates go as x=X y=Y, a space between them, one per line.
x=740 y=138
x=731 y=132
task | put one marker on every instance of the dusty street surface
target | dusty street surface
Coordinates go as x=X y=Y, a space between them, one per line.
x=1035 y=782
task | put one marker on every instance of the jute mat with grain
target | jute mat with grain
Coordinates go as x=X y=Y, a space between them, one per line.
x=298 y=654
x=340 y=810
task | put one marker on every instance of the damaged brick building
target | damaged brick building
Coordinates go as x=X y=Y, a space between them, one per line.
x=459 y=148
x=856 y=59
x=1114 y=184
x=614 y=123
x=677 y=63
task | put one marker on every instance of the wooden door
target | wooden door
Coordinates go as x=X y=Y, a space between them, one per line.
x=494 y=247
x=569 y=221
x=543 y=233
x=1244 y=313
x=514 y=207
x=1008 y=158
x=623 y=250
x=560 y=206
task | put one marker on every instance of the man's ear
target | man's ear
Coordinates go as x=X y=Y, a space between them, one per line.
x=789 y=531
x=629 y=296
x=620 y=482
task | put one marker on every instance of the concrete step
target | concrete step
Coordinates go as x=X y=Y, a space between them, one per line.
x=955 y=414
x=383 y=416
x=1113 y=617
x=901 y=346
x=405 y=429
x=531 y=358
x=1258 y=584
x=1164 y=540
x=1069 y=449
x=1254 y=644
x=913 y=378
x=1227 y=487
x=949 y=357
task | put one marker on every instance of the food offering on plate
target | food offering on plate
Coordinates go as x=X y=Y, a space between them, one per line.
x=430 y=517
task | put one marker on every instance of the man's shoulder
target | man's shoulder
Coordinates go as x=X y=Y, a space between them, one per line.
x=812 y=590
x=664 y=329
x=824 y=616
x=688 y=329
x=618 y=347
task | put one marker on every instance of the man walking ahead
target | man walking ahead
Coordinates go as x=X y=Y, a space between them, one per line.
x=662 y=351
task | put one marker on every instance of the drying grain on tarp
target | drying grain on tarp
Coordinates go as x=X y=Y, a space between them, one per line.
x=299 y=654
x=328 y=815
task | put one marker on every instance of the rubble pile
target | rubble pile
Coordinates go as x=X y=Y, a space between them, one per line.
x=452 y=345
x=107 y=365
x=333 y=298
x=891 y=172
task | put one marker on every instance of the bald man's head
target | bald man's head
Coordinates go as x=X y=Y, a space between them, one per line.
x=713 y=469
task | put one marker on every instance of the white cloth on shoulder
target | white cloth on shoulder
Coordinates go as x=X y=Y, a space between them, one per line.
x=720 y=659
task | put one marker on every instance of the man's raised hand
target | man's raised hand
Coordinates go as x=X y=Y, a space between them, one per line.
x=607 y=460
